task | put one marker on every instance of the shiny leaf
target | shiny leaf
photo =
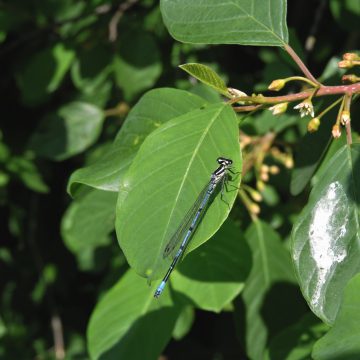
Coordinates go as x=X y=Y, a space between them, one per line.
x=326 y=235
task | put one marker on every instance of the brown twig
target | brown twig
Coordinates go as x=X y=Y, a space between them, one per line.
x=57 y=330
x=113 y=24
x=322 y=91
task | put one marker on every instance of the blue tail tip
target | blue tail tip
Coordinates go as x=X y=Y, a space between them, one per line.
x=159 y=290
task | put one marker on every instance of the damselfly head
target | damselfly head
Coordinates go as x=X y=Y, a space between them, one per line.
x=224 y=161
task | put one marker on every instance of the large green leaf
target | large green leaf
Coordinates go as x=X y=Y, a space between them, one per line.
x=87 y=223
x=271 y=264
x=172 y=167
x=152 y=110
x=342 y=342
x=69 y=131
x=213 y=275
x=245 y=22
x=127 y=314
x=326 y=235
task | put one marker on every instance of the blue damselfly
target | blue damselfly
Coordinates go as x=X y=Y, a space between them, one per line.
x=192 y=218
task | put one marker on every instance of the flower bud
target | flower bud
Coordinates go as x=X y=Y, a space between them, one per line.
x=313 y=124
x=260 y=185
x=254 y=208
x=289 y=162
x=345 y=117
x=350 y=78
x=351 y=56
x=277 y=85
x=274 y=170
x=255 y=195
x=278 y=108
x=235 y=92
x=336 y=132
x=345 y=64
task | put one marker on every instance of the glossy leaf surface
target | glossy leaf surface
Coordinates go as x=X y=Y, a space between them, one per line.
x=152 y=110
x=326 y=235
x=244 y=22
x=172 y=167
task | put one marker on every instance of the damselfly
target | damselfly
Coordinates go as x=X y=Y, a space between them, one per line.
x=191 y=220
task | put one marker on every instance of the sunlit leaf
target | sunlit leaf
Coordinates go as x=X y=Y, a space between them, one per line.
x=207 y=76
x=326 y=235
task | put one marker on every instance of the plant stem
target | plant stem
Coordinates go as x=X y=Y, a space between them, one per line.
x=300 y=63
x=322 y=91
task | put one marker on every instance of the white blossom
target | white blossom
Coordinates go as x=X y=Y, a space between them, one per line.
x=305 y=108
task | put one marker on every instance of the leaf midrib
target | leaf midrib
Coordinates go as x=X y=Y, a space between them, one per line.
x=206 y=131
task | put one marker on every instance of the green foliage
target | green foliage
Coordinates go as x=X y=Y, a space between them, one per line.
x=177 y=168
x=240 y=22
x=154 y=108
x=93 y=100
x=271 y=264
x=206 y=75
x=69 y=131
x=343 y=340
x=211 y=284
x=130 y=304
